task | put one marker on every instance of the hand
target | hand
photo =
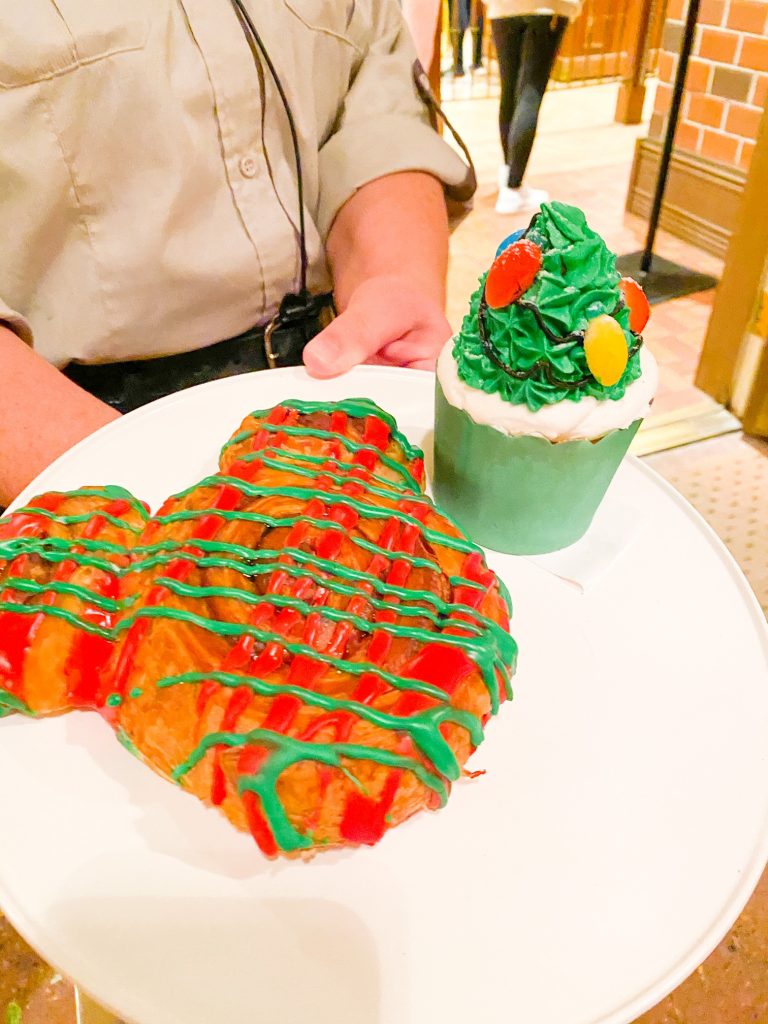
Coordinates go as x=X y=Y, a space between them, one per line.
x=388 y=321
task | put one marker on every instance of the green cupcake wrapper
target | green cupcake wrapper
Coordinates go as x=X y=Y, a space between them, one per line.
x=520 y=494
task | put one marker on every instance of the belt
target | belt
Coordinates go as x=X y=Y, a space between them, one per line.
x=133 y=383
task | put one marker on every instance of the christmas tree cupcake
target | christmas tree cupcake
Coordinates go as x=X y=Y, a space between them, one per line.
x=540 y=394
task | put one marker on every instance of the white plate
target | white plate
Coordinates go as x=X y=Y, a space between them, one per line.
x=619 y=830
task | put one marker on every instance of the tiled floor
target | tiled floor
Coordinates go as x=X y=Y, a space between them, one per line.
x=29 y=984
x=582 y=157
x=726 y=479
x=731 y=986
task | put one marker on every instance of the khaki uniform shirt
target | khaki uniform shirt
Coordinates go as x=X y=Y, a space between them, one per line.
x=148 y=197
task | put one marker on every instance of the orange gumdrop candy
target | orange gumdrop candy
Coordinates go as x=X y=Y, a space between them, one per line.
x=605 y=347
x=637 y=302
x=512 y=273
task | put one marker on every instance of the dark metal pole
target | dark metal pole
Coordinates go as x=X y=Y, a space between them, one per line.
x=669 y=137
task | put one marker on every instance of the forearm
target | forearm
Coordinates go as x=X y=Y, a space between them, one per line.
x=42 y=414
x=393 y=226
x=421 y=17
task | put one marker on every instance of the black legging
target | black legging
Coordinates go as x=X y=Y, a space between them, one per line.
x=526 y=46
x=459 y=23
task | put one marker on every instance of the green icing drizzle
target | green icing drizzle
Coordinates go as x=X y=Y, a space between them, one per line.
x=83 y=517
x=11 y=704
x=423 y=728
x=56 y=549
x=483 y=647
x=355 y=668
x=274 y=521
x=57 y=613
x=356 y=407
x=390 y=492
x=483 y=640
x=307 y=493
x=346 y=442
x=318 y=460
x=286 y=751
x=128 y=743
x=578 y=281
x=248 y=567
x=108 y=604
x=113 y=493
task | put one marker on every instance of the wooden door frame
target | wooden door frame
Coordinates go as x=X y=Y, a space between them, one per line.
x=755 y=415
x=738 y=297
x=631 y=98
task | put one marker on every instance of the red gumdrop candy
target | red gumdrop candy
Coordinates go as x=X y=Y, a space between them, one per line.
x=637 y=301
x=512 y=273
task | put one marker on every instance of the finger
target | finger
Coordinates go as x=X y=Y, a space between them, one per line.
x=414 y=364
x=420 y=345
x=352 y=338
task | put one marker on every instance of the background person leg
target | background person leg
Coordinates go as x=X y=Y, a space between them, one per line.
x=478 y=29
x=540 y=43
x=507 y=38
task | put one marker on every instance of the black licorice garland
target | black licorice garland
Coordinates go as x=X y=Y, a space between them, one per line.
x=559 y=343
x=541 y=364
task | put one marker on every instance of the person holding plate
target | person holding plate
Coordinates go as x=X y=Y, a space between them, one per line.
x=188 y=186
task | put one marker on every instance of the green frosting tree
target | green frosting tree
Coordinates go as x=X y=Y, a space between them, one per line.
x=577 y=282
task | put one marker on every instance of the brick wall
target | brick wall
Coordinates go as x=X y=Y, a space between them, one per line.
x=727 y=80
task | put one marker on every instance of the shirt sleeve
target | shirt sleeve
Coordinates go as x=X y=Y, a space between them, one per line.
x=383 y=125
x=15 y=322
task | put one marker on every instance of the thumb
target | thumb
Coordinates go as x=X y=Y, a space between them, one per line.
x=348 y=340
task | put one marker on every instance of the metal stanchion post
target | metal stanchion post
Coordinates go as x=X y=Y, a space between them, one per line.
x=662 y=279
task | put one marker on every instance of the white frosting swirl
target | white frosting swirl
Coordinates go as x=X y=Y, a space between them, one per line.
x=589 y=418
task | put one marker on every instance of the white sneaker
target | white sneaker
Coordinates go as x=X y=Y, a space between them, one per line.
x=533 y=197
x=510 y=200
x=503 y=176
x=519 y=200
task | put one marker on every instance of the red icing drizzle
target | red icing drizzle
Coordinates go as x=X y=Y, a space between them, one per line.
x=88 y=657
x=88 y=652
x=305 y=671
x=365 y=818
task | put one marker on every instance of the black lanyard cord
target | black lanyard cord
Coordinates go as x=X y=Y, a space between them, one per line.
x=461 y=192
x=257 y=47
x=464 y=191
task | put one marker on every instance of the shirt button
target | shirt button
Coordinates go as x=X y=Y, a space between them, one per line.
x=248 y=167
